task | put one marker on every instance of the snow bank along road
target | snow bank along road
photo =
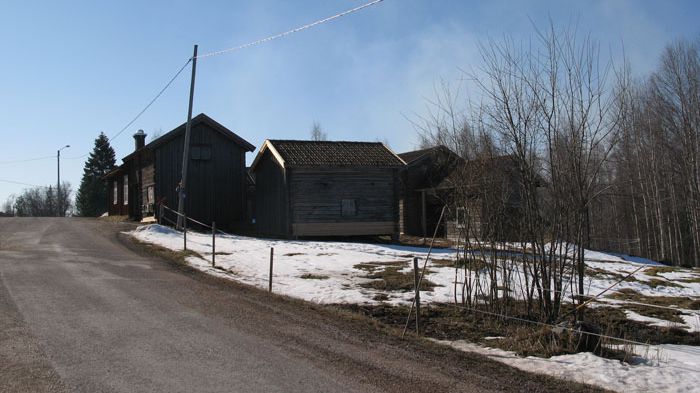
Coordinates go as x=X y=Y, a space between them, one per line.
x=81 y=310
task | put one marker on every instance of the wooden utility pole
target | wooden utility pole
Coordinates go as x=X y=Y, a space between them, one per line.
x=186 y=149
x=272 y=255
x=416 y=280
x=58 y=183
x=213 y=244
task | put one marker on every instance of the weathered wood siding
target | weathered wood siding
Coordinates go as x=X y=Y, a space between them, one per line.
x=216 y=189
x=270 y=198
x=414 y=177
x=317 y=196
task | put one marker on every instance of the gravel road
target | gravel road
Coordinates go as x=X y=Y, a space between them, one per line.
x=84 y=309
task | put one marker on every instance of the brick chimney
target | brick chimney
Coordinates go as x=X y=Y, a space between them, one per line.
x=139 y=139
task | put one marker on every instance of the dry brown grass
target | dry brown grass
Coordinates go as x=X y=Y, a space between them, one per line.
x=449 y=322
x=655 y=270
x=388 y=277
x=372 y=266
x=311 y=276
x=114 y=218
x=690 y=280
x=598 y=272
x=655 y=282
x=665 y=301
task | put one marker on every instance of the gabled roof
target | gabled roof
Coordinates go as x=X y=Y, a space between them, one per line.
x=200 y=118
x=416 y=155
x=295 y=153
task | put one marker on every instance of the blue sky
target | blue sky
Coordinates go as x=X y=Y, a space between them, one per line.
x=74 y=68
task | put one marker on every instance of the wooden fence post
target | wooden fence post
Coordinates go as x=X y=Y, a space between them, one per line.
x=416 y=280
x=184 y=232
x=213 y=244
x=272 y=255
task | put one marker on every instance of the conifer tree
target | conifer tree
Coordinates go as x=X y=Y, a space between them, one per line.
x=92 y=194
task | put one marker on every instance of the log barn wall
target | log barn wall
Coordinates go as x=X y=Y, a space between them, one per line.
x=318 y=196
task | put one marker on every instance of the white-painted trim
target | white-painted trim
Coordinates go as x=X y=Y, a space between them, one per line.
x=267 y=145
x=392 y=152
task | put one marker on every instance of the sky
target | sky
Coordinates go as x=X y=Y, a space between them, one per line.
x=73 y=69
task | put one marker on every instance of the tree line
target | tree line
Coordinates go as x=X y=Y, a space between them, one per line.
x=90 y=200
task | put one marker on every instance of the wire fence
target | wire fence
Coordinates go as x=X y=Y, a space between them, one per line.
x=612 y=340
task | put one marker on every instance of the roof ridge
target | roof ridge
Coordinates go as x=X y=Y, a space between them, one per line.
x=313 y=141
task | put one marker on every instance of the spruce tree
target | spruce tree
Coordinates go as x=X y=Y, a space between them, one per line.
x=91 y=200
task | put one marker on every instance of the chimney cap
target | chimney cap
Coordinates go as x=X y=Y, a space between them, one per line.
x=139 y=133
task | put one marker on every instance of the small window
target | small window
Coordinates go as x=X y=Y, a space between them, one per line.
x=115 y=192
x=200 y=152
x=150 y=195
x=126 y=189
x=349 y=208
x=461 y=217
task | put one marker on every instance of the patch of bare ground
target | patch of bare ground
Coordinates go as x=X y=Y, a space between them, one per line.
x=473 y=264
x=311 y=276
x=387 y=276
x=417 y=241
x=114 y=218
x=655 y=282
x=179 y=256
x=667 y=301
x=690 y=280
x=668 y=314
x=655 y=270
x=449 y=322
x=600 y=273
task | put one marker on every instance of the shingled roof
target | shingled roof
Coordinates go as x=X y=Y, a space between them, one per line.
x=294 y=153
x=415 y=155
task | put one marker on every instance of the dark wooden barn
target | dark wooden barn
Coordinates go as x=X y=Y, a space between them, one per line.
x=426 y=189
x=323 y=188
x=483 y=196
x=217 y=182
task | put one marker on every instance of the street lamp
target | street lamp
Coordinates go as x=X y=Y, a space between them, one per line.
x=58 y=181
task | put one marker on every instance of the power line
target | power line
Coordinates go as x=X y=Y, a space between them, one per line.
x=19 y=183
x=286 y=33
x=160 y=93
x=220 y=52
x=26 y=160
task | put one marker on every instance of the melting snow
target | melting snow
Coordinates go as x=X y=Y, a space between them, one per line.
x=327 y=272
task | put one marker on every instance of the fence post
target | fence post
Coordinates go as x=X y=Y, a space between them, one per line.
x=416 y=280
x=160 y=214
x=184 y=233
x=272 y=255
x=213 y=244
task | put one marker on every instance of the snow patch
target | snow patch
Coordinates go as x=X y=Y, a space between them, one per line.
x=667 y=368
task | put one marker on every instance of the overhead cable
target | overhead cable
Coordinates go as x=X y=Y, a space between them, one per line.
x=160 y=93
x=288 y=32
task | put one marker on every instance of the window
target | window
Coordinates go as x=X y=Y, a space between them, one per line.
x=115 y=192
x=348 y=209
x=200 y=152
x=150 y=195
x=461 y=218
x=126 y=189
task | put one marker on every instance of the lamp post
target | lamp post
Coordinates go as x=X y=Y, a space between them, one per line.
x=58 y=181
